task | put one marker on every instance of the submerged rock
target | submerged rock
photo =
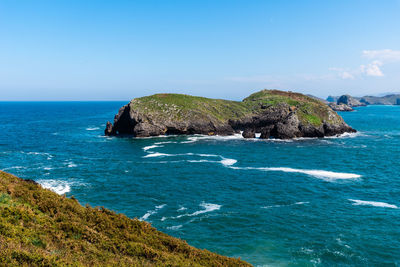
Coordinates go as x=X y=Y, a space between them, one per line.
x=274 y=113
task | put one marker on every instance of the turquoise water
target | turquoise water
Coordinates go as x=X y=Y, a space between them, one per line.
x=304 y=202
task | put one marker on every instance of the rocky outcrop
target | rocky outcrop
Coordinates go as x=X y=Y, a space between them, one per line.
x=249 y=133
x=349 y=101
x=341 y=107
x=272 y=113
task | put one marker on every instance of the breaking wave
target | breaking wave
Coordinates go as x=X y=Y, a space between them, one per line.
x=207 y=207
x=151 y=212
x=150 y=147
x=60 y=187
x=92 y=128
x=358 y=202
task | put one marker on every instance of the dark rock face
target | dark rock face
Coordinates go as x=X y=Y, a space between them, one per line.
x=349 y=101
x=279 y=120
x=249 y=133
x=341 y=107
x=266 y=131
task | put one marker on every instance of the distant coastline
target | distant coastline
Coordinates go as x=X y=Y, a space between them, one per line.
x=348 y=102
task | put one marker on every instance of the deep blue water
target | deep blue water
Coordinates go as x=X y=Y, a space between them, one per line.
x=305 y=202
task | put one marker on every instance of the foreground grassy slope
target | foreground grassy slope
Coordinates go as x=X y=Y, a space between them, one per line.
x=178 y=107
x=40 y=228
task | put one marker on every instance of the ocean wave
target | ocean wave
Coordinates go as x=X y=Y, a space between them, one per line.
x=201 y=160
x=347 y=135
x=325 y=175
x=92 y=128
x=156 y=154
x=228 y=162
x=166 y=142
x=197 y=137
x=207 y=207
x=71 y=164
x=152 y=212
x=278 y=206
x=175 y=227
x=150 y=147
x=373 y=203
x=60 y=187
x=14 y=167
x=317 y=173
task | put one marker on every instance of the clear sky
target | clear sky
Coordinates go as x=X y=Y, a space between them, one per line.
x=118 y=50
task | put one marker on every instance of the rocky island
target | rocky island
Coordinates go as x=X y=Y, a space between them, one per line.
x=273 y=113
x=41 y=228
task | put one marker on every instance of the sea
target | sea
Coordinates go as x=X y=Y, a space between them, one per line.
x=304 y=202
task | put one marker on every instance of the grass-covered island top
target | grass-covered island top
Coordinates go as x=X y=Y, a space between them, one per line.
x=40 y=228
x=273 y=113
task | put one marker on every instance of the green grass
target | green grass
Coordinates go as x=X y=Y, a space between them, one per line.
x=40 y=228
x=179 y=107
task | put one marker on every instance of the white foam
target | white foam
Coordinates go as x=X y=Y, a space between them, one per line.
x=228 y=162
x=373 y=203
x=190 y=140
x=92 y=128
x=160 y=206
x=181 y=209
x=14 y=167
x=150 y=147
x=151 y=212
x=329 y=175
x=60 y=187
x=207 y=207
x=347 y=135
x=175 y=227
x=196 y=138
x=156 y=154
x=38 y=153
x=207 y=155
x=301 y=203
x=166 y=142
x=71 y=164
x=202 y=160
x=278 y=206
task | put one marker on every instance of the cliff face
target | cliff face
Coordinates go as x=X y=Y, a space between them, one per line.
x=350 y=101
x=273 y=113
x=40 y=228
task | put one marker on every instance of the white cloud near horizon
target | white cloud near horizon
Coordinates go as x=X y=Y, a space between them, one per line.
x=372 y=69
x=379 y=57
x=384 y=55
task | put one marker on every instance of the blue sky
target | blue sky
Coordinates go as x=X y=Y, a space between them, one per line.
x=118 y=50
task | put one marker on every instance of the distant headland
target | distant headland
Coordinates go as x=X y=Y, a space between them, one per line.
x=347 y=102
x=272 y=113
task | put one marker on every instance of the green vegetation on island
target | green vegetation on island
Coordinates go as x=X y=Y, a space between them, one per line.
x=279 y=114
x=40 y=228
